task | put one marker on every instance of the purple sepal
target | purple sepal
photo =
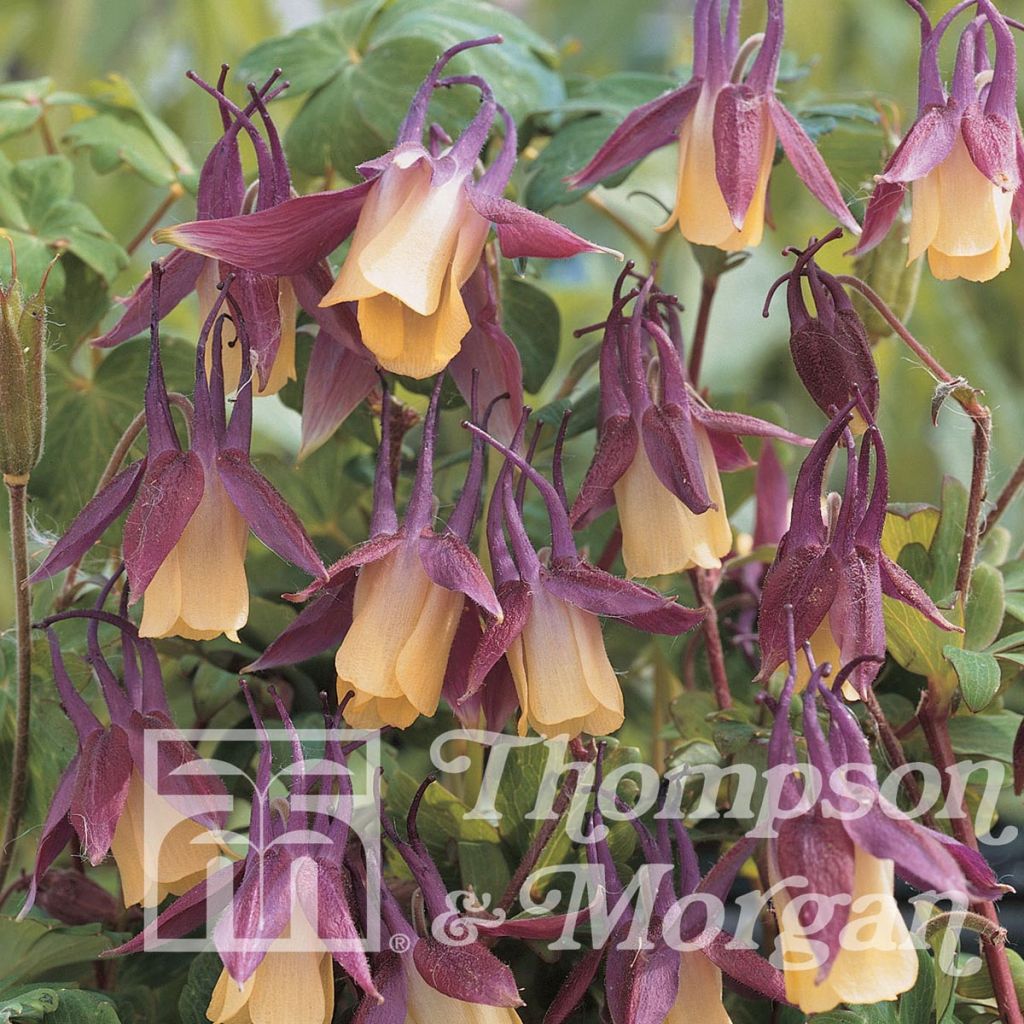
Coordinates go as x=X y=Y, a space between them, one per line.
x=100 y=791
x=389 y=977
x=181 y=270
x=471 y=973
x=337 y=380
x=269 y=516
x=450 y=564
x=575 y=986
x=522 y=232
x=599 y=592
x=57 y=832
x=616 y=447
x=808 y=164
x=170 y=493
x=771 y=488
x=991 y=141
x=883 y=208
x=641 y=984
x=516 y=599
x=372 y=550
x=754 y=975
x=671 y=447
x=649 y=127
x=739 y=128
x=929 y=141
x=91 y=523
x=281 y=241
x=320 y=626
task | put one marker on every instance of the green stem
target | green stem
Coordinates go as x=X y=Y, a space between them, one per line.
x=17 y=494
x=708 y=287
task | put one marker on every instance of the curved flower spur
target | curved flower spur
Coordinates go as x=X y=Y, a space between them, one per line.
x=726 y=122
x=833 y=574
x=832 y=852
x=268 y=303
x=964 y=155
x=420 y=222
x=653 y=978
x=162 y=832
x=406 y=587
x=288 y=908
x=191 y=510
x=660 y=447
x=550 y=629
x=830 y=347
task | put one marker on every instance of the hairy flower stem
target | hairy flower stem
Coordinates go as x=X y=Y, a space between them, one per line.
x=1006 y=496
x=712 y=638
x=957 y=388
x=17 y=497
x=935 y=723
x=708 y=288
x=69 y=591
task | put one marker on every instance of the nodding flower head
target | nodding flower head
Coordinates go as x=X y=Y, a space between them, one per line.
x=832 y=573
x=726 y=122
x=660 y=445
x=962 y=156
x=833 y=852
x=108 y=795
x=393 y=604
x=550 y=630
x=418 y=224
x=192 y=508
x=830 y=346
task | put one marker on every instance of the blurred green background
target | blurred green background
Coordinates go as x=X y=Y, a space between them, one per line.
x=853 y=52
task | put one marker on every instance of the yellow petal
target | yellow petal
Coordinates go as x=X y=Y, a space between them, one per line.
x=425 y=1005
x=925 y=212
x=700 y=992
x=596 y=669
x=292 y=987
x=421 y=665
x=823 y=648
x=659 y=533
x=161 y=602
x=877 y=961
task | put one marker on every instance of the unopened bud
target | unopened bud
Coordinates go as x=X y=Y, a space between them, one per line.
x=72 y=898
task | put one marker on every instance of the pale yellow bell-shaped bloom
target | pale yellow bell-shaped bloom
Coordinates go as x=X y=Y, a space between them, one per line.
x=700 y=211
x=158 y=850
x=286 y=988
x=961 y=219
x=200 y=591
x=414 y=247
x=425 y=1005
x=395 y=653
x=699 y=1000
x=283 y=369
x=877 y=961
x=659 y=533
x=565 y=682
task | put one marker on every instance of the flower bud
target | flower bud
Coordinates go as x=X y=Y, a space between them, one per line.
x=22 y=377
x=74 y=899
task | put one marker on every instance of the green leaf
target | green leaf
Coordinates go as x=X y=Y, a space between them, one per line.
x=918 y=1005
x=195 y=996
x=983 y=617
x=28 y=1004
x=483 y=868
x=985 y=735
x=532 y=321
x=362 y=66
x=80 y=1007
x=33 y=948
x=978 y=674
x=16 y=117
x=949 y=535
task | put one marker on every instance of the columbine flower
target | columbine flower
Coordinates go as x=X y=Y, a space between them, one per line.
x=268 y=302
x=550 y=631
x=660 y=449
x=420 y=221
x=834 y=573
x=162 y=832
x=186 y=534
x=845 y=940
x=963 y=155
x=395 y=602
x=830 y=348
x=727 y=124
x=290 y=899
x=653 y=981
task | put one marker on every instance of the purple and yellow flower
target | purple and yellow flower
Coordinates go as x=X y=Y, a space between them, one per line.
x=394 y=604
x=962 y=157
x=418 y=223
x=164 y=832
x=832 y=864
x=726 y=122
x=191 y=509
x=660 y=447
x=550 y=627
x=833 y=572
x=268 y=302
